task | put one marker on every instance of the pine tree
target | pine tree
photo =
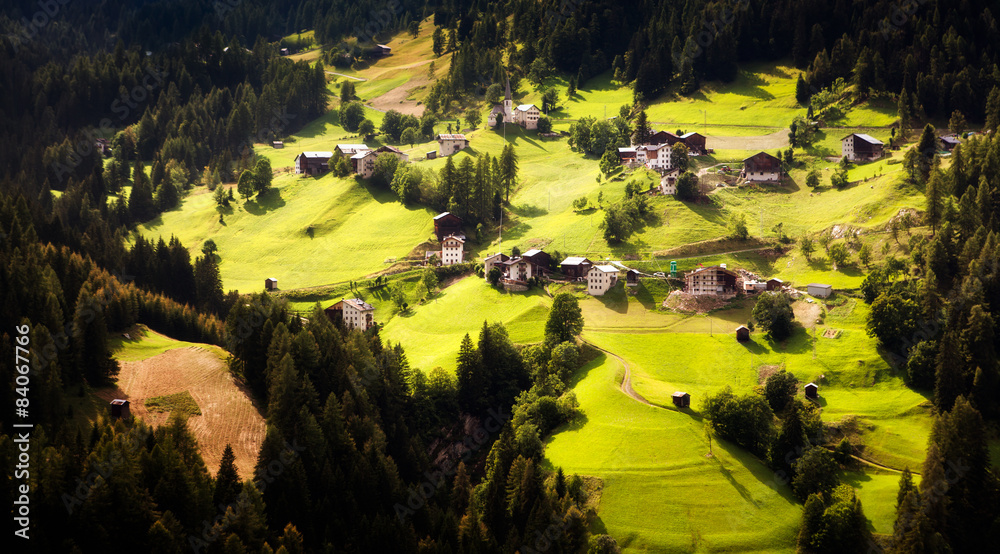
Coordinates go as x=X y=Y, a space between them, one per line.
x=227 y=480
x=993 y=111
x=508 y=170
x=949 y=382
x=642 y=131
x=812 y=522
x=934 y=195
x=471 y=384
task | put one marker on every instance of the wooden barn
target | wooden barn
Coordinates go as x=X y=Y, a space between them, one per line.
x=312 y=163
x=775 y=284
x=681 y=399
x=631 y=278
x=742 y=333
x=120 y=409
x=446 y=224
x=761 y=167
x=858 y=147
x=576 y=267
x=694 y=141
x=270 y=283
x=540 y=258
x=812 y=390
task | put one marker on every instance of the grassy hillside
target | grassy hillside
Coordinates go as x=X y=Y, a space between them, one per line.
x=661 y=493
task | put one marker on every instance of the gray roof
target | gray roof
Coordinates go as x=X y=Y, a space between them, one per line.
x=317 y=154
x=575 y=260
x=359 y=304
x=819 y=285
x=868 y=138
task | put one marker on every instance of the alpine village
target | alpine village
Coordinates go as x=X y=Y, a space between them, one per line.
x=500 y=277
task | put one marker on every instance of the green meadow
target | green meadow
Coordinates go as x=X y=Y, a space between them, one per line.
x=660 y=491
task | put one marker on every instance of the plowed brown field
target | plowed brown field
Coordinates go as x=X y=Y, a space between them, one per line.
x=228 y=414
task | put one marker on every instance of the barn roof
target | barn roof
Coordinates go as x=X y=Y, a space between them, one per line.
x=606 y=268
x=950 y=139
x=531 y=253
x=443 y=215
x=575 y=260
x=317 y=154
x=867 y=138
x=453 y=136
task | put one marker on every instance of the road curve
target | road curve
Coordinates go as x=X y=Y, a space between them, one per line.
x=626 y=384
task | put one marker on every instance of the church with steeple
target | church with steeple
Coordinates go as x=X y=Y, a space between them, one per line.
x=525 y=115
x=503 y=113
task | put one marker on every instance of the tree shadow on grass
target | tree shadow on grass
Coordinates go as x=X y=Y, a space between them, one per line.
x=758 y=469
x=270 y=200
x=615 y=299
x=528 y=210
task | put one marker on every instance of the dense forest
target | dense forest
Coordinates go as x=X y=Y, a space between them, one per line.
x=364 y=453
x=942 y=55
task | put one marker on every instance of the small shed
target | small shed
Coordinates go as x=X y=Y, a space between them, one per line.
x=632 y=278
x=433 y=154
x=277 y=144
x=819 y=290
x=681 y=399
x=270 y=283
x=120 y=409
x=812 y=390
x=775 y=284
x=742 y=333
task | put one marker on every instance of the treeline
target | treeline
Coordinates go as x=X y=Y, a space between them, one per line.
x=942 y=54
x=938 y=326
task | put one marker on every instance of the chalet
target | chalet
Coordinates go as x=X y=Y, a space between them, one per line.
x=277 y=144
x=654 y=156
x=449 y=144
x=601 y=278
x=662 y=137
x=694 y=141
x=491 y=261
x=541 y=260
x=811 y=390
x=775 y=284
x=348 y=150
x=446 y=224
x=380 y=51
x=363 y=163
x=120 y=409
x=270 y=283
x=631 y=278
x=715 y=280
x=742 y=333
x=502 y=113
x=761 y=167
x=626 y=155
x=681 y=399
x=518 y=270
x=668 y=181
x=858 y=147
x=818 y=290
x=452 y=250
x=949 y=142
x=312 y=163
x=526 y=115
x=103 y=146
x=354 y=313
x=576 y=267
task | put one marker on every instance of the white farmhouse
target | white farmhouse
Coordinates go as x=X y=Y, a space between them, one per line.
x=452 y=250
x=601 y=278
x=526 y=115
x=354 y=313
